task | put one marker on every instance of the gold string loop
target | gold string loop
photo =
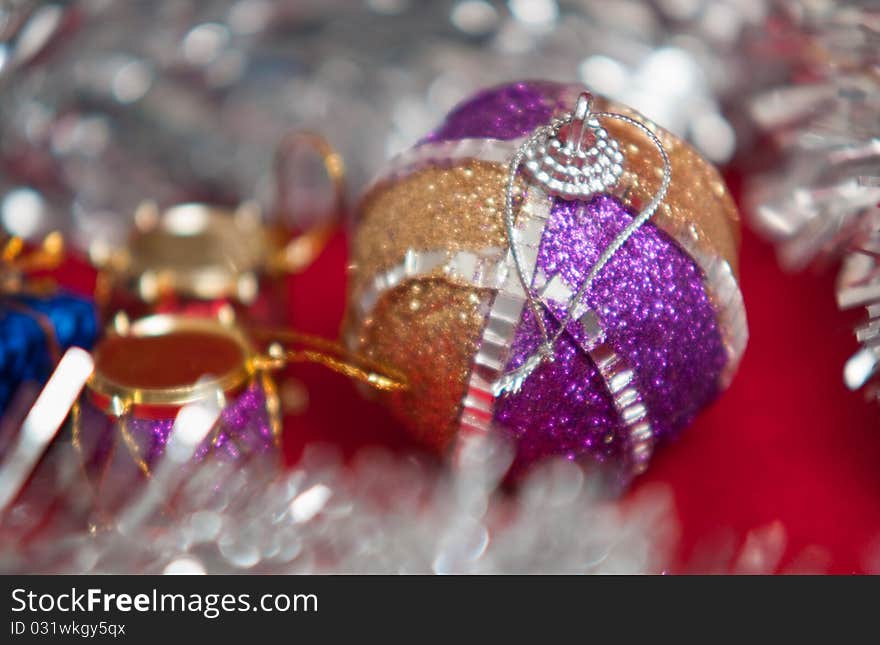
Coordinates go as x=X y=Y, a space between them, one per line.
x=330 y=354
x=301 y=251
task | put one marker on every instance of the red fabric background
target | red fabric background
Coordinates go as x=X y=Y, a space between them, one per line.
x=787 y=444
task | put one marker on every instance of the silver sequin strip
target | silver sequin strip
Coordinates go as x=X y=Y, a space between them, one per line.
x=446 y=152
x=726 y=298
x=720 y=282
x=503 y=320
x=483 y=270
x=619 y=376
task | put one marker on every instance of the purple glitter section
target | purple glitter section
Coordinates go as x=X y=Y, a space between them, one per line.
x=244 y=429
x=653 y=306
x=503 y=112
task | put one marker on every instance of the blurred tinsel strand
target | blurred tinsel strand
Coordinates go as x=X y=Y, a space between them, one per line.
x=185 y=100
x=380 y=514
x=823 y=203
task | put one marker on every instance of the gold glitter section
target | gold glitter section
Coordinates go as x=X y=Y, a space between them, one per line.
x=459 y=208
x=698 y=210
x=429 y=329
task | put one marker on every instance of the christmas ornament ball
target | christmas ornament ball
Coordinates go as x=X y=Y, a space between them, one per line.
x=593 y=334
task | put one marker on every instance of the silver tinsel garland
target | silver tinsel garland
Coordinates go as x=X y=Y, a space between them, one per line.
x=380 y=514
x=184 y=100
x=823 y=205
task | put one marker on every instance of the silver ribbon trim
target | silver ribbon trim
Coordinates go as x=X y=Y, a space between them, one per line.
x=502 y=322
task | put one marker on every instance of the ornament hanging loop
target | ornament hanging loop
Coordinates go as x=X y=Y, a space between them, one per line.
x=574 y=157
x=579 y=122
x=565 y=170
x=302 y=249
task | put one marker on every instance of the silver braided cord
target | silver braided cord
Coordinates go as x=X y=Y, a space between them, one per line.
x=540 y=133
x=646 y=214
x=512 y=382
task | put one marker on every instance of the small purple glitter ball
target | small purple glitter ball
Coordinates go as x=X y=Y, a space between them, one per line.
x=244 y=430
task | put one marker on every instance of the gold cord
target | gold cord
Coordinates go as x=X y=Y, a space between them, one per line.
x=132 y=446
x=76 y=440
x=75 y=419
x=273 y=407
x=373 y=379
x=331 y=355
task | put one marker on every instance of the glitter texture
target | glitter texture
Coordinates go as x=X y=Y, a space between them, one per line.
x=245 y=428
x=503 y=112
x=459 y=208
x=656 y=314
x=430 y=330
x=697 y=210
